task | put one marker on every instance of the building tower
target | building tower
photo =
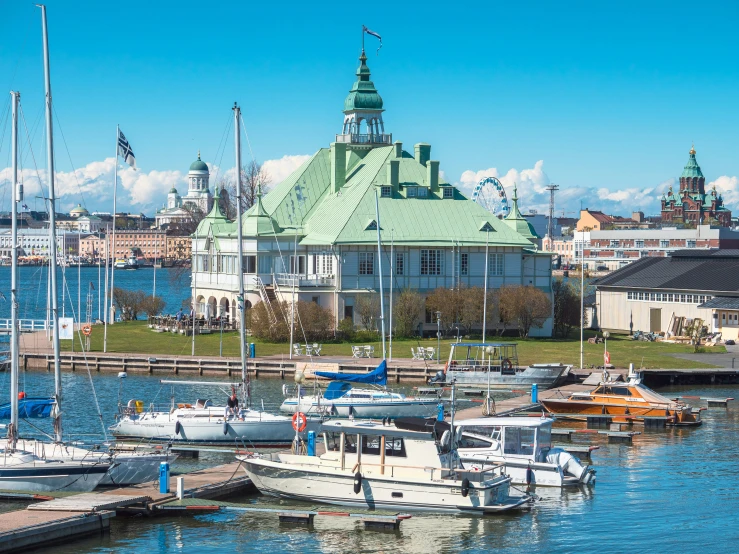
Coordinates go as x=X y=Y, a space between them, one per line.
x=173 y=199
x=198 y=192
x=363 y=111
x=692 y=180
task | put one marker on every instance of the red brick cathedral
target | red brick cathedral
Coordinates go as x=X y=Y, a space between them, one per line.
x=692 y=205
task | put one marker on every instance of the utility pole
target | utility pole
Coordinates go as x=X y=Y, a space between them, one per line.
x=550 y=228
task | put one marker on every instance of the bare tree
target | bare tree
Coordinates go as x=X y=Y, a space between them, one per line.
x=152 y=305
x=526 y=306
x=367 y=307
x=407 y=310
x=253 y=175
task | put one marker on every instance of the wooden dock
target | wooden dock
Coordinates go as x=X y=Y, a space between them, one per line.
x=74 y=515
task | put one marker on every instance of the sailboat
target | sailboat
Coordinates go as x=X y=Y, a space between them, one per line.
x=373 y=400
x=20 y=469
x=114 y=468
x=200 y=421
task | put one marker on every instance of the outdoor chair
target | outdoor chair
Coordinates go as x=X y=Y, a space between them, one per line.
x=357 y=351
x=369 y=351
x=296 y=350
x=317 y=349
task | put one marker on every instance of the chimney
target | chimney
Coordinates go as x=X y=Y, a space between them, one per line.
x=423 y=152
x=432 y=175
x=338 y=166
x=398 y=149
x=393 y=173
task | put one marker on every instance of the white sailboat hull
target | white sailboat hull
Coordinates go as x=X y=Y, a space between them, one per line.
x=25 y=472
x=369 y=409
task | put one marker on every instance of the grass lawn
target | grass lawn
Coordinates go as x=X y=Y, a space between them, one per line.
x=136 y=337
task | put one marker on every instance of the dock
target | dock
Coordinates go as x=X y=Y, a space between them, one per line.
x=73 y=515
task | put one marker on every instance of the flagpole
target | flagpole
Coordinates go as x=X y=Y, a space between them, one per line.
x=112 y=267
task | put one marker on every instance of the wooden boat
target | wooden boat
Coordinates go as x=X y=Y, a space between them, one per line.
x=631 y=399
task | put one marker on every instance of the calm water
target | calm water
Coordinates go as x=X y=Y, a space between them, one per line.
x=673 y=489
x=172 y=285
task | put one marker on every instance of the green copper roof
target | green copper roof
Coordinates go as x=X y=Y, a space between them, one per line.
x=213 y=220
x=173 y=190
x=517 y=222
x=363 y=94
x=198 y=165
x=692 y=169
x=78 y=210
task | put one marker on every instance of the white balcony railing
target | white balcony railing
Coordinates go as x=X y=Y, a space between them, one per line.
x=365 y=139
x=314 y=280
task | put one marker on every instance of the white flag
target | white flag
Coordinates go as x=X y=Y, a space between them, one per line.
x=124 y=150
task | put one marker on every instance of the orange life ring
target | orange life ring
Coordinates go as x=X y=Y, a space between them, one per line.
x=299 y=421
x=87 y=330
x=506 y=364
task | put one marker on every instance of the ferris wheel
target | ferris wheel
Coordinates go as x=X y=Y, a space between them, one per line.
x=490 y=194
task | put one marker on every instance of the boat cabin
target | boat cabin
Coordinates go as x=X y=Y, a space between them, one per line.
x=501 y=357
x=386 y=449
x=341 y=390
x=512 y=437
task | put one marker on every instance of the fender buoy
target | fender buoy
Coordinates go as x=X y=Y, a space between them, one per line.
x=177 y=428
x=357 y=482
x=529 y=475
x=300 y=422
x=465 y=487
x=506 y=364
x=225 y=427
x=446 y=367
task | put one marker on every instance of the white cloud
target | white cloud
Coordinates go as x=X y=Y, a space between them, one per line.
x=138 y=191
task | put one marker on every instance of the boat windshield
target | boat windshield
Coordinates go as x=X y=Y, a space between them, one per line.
x=481 y=356
x=613 y=390
x=487 y=431
x=519 y=441
x=544 y=437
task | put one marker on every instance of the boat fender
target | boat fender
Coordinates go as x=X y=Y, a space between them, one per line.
x=225 y=427
x=529 y=475
x=177 y=428
x=465 y=487
x=446 y=438
x=458 y=434
x=357 y=482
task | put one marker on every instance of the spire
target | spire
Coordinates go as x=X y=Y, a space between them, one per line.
x=514 y=212
x=692 y=150
x=517 y=222
x=260 y=208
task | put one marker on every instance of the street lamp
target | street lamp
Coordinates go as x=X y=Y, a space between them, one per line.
x=438 y=336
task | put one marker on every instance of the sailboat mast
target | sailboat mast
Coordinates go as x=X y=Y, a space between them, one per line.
x=109 y=308
x=379 y=270
x=240 y=250
x=13 y=431
x=52 y=230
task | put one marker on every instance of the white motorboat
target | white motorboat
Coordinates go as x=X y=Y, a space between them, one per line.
x=341 y=399
x=203 y=423
x=409 y=465
x=524 y=446
x=495 y=365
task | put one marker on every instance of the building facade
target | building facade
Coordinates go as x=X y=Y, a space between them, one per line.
x=149 y=244
x=318 y=228
x=36 y=242
x=652 y=293
x=691 y=205
x=179 y=248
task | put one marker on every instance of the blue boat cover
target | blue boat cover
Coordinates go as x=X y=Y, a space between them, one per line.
x=336 y=389
x=29 y=408
x=378 y=376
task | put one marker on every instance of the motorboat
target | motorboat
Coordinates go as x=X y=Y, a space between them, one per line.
x=524 y=446
x=631 y=399
x=342 y=399
x=410 y=464
x=203 y=423
x=129 y=263
x=495 y=365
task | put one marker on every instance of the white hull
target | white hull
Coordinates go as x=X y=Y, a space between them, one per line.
x=545 y=376
x=542 y=475
x=377 y=409
x=22 y=471
x=255 y=429
x=335 y=486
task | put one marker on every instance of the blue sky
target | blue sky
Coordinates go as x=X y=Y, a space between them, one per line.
x=607 y=97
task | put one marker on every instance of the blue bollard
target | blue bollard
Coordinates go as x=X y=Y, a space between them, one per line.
x=164 y=477
x=534 y=393
x=440 y=411
x=311 y=443
x=252 y=350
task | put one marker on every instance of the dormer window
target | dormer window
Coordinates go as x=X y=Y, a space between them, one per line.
x=423 y=192
x=448 y=192
x=371 y=226
x=412 y=192
x=386 y=192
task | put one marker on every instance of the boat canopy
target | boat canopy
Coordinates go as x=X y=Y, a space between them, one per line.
x=378 y=376
x=336 y=389
x=29 y=408
x=426 y=425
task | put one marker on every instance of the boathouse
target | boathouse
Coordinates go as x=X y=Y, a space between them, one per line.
x=320 y=224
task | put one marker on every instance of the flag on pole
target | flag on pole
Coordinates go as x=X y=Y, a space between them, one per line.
x=124 y=150
x=370 y=32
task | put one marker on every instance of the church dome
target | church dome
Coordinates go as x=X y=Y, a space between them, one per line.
x=78 y=211
x=198 y=165
x=173 y=190
x=692 y=169
x=363 y=94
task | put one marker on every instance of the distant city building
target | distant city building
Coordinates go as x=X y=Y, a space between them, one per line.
x=36 y=242
x=93 y=246
x=148 y=244
x=83 y=224
x=179 y=209
x=593 y=220
x=615 y=249
x=179 y=248
x=79 y=211
x=691 y=205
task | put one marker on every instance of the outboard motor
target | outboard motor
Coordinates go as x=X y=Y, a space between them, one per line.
x=440 y=377
x=570 y=465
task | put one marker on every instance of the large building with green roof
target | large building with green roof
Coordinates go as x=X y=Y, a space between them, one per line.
x=327 y=207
